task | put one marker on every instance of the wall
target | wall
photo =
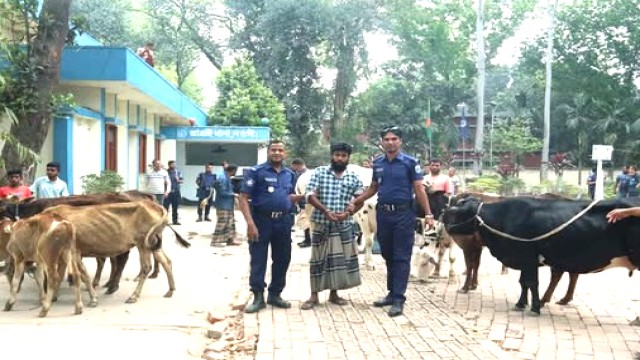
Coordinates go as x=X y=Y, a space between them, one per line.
x=86 y=150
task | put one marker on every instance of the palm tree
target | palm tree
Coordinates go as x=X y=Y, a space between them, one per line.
x=579 y=118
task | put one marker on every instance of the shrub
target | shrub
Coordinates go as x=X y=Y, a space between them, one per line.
x=107 y=181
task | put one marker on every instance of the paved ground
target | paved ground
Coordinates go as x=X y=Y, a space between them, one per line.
x=155 y=327
x=439 y=323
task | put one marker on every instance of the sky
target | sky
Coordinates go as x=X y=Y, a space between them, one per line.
x=380 y=51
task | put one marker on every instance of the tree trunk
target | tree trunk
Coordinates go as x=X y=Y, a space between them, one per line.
x=45 y=53
x=344 y=86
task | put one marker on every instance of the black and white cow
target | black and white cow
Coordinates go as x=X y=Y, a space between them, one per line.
x=571 y=236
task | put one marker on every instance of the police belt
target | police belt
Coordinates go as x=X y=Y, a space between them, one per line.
x=269 y=214
x=394 y=207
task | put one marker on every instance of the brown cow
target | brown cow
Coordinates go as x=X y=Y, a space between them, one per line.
x=31 y=207
x=111 y=229
x=50 y=241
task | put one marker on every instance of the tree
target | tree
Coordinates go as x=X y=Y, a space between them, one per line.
x=38 y=73
x=282 y=38
x=243 y=100
x=348 y=53
x=110 y=22
x=514 y=138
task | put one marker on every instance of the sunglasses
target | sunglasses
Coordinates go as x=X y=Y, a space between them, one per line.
x=394 y=129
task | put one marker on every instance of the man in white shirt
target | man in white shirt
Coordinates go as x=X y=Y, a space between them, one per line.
x=158 y=182
x=50 y=186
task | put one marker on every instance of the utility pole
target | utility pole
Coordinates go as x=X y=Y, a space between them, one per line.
x=479 y=139
x=547 y=93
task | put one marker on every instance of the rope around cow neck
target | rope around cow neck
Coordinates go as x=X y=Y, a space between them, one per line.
x=541 y=237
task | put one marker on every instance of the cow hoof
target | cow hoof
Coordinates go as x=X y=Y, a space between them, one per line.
x=8 y=307
x=111 y=290
x=463 y=291
x=54 y=299
x=169 y=294
x=153 y=276
x=43 y=313
x=635 y=322
x=563 y=302
x=106 y=285
x=474 y=287
x=78 y=311
x=93 y=303
x=131 y=300
x=534 y=312
x=519 y=307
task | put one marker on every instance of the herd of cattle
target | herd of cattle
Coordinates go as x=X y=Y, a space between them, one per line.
x=523 y=232
x=57 y=233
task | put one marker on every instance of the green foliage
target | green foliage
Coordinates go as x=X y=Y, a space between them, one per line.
x=243 y=100
x=105 y=182
x=496 y=184
x=514 y=137
x=561 y=188
x=282 y=39
x=110 y=22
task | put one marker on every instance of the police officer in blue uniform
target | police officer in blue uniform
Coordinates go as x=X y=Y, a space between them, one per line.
x=396 y=177
x=270 y=187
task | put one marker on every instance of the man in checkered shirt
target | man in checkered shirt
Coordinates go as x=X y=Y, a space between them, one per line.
x=334 y=254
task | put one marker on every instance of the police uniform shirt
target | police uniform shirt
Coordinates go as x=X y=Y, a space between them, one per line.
x=395 y=178
x=269 y=190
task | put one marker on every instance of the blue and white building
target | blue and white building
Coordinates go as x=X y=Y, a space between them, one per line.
x=128 y=114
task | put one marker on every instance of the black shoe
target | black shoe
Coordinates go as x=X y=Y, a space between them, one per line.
x=396 y=309
x=199 y=219
x=304 y=244
x=277 y=301
x=386 y=301
x=257 y=305
x=207 y=219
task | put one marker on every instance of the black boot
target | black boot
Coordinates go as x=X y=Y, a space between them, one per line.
x=396 y=309
x=277 y=301
x=258 y=303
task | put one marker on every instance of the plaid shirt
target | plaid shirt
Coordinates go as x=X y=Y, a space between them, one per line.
x=333 y=192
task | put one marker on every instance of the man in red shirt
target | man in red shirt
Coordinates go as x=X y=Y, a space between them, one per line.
x=15 y=186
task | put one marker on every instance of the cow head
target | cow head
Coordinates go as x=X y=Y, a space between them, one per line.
x=10 y=207
x=460 y=217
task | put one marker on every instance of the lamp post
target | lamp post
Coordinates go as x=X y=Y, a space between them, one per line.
x=463 y=124
x=493 y=107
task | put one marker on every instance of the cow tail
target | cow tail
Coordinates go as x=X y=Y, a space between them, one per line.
x=184 y=243
x=72 y=254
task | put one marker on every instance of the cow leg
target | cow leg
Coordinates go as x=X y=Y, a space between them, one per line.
x=555 y=279
x=145 y=269
x=475 y=265
x=100 y=266
x=452 y=261
x=53 y=282
x=505 y=270
x=469 y=272
x=116 y=272
x=523 y=301
x=156 y=268
x=531 y=283
x=573 y=280
x=368 y=252
x=15 y=283
x=86 y=279
x=160 y=257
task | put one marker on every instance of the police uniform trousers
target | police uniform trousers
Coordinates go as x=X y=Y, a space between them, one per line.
x=396 y=237
x=277 y=233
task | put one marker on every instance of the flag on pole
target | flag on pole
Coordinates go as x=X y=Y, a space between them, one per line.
x=427 y=121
